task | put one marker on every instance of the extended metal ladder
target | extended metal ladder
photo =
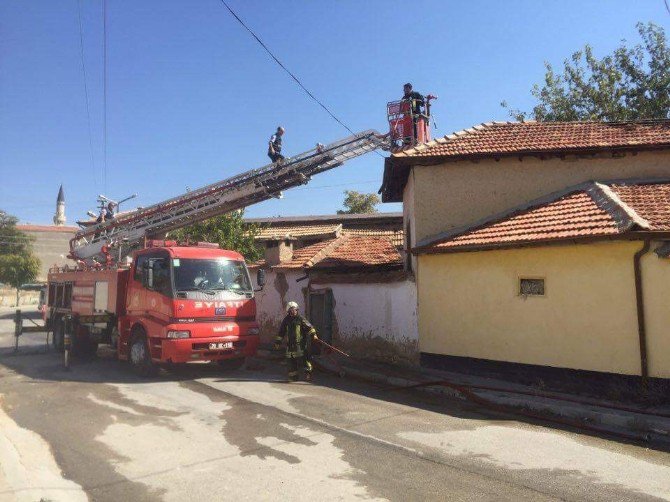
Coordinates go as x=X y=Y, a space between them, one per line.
x=128 y=231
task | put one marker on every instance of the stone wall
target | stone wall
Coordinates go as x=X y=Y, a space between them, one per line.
x=51 y=245
x=8 y=297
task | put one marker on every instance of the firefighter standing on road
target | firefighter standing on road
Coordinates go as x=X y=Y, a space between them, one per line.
x=274 y=146
x=296 y=329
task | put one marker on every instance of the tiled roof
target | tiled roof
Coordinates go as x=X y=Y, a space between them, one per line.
x=588 y=210
x=397 y=237
x=500 y=139
x=651 y=202
x=504 y=138
x=294 y=231
x=303 y=255
x=387 y=225
x=357 y=252
x=365 y=218
x=346 y=252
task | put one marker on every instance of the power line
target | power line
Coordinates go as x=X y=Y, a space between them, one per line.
x=284 y=67
x=83 y=69
x=297 y=80
x=104 y=92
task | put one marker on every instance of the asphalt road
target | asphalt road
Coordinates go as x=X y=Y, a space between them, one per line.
x=99 y=433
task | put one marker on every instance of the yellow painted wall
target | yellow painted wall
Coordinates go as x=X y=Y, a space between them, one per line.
x=459 y=193
x=469 y=306
x=656 y=288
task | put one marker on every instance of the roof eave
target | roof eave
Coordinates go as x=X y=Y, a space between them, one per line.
x=627 y=236
x=427 y=160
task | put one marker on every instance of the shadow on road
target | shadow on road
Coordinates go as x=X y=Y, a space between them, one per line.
x=26 y=314
x=40 y=363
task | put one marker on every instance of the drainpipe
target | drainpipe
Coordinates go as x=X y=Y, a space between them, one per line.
x=640 y=311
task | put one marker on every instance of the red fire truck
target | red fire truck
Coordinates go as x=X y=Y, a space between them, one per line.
x=173 y=304
x=156 y=301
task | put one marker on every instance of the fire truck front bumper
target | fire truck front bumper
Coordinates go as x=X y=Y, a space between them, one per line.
x=204 y=349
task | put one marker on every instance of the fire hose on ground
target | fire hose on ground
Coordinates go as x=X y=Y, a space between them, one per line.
x=467 y=392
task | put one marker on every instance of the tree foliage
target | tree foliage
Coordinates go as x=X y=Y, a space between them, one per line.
x=229 y=231
x=357 y=202
x=631 y=83
x=18 y=264
x=17 y=270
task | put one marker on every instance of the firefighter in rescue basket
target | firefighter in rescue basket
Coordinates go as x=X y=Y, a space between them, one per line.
x=296 y=329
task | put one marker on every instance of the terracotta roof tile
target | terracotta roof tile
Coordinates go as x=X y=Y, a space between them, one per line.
x=505 y=138
x=346 y=252
x=397 y=237
x=303 y=255
x=361 y=252
x=588 y=210
x=650 y=202
x=294 y=231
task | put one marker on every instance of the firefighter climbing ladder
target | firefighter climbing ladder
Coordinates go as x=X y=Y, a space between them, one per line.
x=116 y=238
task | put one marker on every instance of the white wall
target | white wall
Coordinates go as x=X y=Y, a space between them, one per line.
x=280 y=287
x=376 y=320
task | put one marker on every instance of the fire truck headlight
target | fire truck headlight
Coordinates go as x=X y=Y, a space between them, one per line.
x=253 y=331
x=178 y=334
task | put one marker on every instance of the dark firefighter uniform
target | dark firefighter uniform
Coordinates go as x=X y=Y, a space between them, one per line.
x=297 y=330
x=416 y=101
x=274 y=152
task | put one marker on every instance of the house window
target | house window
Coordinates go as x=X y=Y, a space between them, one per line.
x=531 y=287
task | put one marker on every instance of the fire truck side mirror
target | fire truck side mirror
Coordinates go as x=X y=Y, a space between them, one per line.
x=260 y=278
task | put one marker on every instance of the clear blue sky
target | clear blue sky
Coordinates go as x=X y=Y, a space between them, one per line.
x=192 y=98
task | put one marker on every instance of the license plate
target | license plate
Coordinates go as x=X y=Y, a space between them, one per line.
x=220 y=345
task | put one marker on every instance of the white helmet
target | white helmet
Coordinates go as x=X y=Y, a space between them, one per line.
x=291 y=305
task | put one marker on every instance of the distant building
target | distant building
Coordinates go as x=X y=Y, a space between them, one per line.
x=347 y=274
x=305 y=230
x=51 y=243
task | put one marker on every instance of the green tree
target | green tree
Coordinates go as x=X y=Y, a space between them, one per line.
x=229 y=231
x=631 y=83
x=18 y=264
x=357 y=202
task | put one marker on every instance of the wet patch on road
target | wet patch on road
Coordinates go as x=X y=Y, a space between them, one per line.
x=206 y=456
x=69 y=421
x=568 y=460
x=259 y=422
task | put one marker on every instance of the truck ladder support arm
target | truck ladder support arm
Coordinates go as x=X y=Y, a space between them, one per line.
x=127 y=232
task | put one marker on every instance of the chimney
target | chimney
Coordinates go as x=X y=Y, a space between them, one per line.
x=278 y=251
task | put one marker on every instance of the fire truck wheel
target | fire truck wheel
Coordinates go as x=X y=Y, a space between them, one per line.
x=139 y=356
x=58 y=337
x=231 y=364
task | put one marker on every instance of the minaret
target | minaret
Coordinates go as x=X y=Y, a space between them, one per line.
x=59 y=217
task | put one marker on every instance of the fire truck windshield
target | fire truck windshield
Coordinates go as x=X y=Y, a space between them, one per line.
x=210 y=275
